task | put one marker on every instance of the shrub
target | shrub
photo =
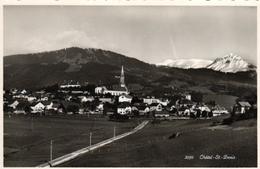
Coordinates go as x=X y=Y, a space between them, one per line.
x=204 y=114
x=210 y=114
x=192 y=115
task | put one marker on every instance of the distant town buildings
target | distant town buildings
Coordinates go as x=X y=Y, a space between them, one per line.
x=73 y=98
x=71 y=84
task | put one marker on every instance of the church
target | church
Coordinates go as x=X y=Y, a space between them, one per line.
x=117 y=90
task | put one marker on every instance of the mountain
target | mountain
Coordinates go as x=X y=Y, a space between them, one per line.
x=186 y=63
x=36 y=70
x=92 y=65
x=231 y=63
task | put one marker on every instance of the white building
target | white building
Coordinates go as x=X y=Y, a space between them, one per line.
x=156 y=107
x=100 y=107
x=150 y=100
x=23 y=91
x=116 y=92
x=164 y=102
x=14 y=104
x=124 y=110
x=70 y=85
x=49 y=105
x=38 y=108
x=31 y=98
x=125 y=98
x=100 y=90
x=106 y=100
x=87 y=99
x=188 y=96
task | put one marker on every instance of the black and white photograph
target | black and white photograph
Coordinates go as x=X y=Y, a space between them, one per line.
x=129 y=86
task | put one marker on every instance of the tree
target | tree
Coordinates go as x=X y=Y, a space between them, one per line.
x=136 y=113
x=27 y=109
x=196 y=97
x=72 y=108
x=136 y=100
x=204 y=114
x=210 y=114
x=174 y=111
x=192 y=115
x=198 y=113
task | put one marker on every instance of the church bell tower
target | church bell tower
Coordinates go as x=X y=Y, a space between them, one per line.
x=122 y=77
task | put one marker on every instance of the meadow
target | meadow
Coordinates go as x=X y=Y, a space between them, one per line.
x=27 y=138
x=156 y=146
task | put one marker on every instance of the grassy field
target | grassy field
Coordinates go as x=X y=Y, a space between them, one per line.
x=27 y=138
x=151 y=147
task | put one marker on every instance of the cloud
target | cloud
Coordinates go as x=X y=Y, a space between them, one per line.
x=63 y=39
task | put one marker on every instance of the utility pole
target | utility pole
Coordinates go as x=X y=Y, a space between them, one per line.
x=51 y=151
x=114 y=131
x=90 y=137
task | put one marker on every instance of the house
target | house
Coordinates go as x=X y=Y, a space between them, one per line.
x=156 y=107
x=14 y=104
x=77 y=92
x=217 y=110
x=125 y=98
x=68 y=98
x=31 y=98
x=143 y=109
x=70 y=84
x=52 y=107
x=204 y=108
x=47 y=104
x=187 y=96
x=163 y=102
x=44 y=98
x=87 y=99
x=23 y=91
x=82 y=110
x=13 y=91
x=161 y=114
x=150 y=100
x=100 y=107
x=38 y=108
x=106 y=100
x=124 y=109
x=187 y=112
x=241 y=107
x=100 y=90
x=20 y=96
x=184 y=103
x=40 y=92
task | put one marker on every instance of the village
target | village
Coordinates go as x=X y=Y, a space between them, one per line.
x=117 y=103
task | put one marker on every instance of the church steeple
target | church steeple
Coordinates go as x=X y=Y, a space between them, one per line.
x=122 y=77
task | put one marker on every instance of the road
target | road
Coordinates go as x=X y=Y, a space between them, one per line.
x=77 y=153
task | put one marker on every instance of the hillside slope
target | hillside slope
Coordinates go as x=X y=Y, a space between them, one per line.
x=98 y=66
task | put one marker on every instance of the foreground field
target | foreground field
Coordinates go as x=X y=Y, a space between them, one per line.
x=197 y=140
x=27 y=138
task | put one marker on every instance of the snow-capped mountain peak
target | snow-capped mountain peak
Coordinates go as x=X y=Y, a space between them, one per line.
x=186 y=63
x=230 y=63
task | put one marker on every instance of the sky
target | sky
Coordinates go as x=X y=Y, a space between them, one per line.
x=149 y=33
